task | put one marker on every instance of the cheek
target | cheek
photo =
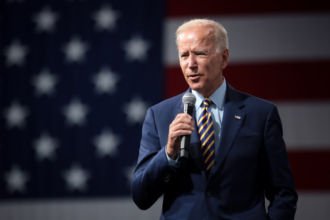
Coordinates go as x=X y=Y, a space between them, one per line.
x=183 y=65
x=213 y=69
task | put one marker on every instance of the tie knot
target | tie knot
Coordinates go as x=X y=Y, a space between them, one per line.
x=207 y=102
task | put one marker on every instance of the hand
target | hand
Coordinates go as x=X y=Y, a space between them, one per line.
x=181 y=125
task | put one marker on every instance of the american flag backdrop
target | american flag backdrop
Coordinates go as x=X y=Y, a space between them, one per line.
x=76 y=78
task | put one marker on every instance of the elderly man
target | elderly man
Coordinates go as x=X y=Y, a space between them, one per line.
x=237 y=153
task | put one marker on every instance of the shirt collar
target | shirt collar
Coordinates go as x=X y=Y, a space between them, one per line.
x=218 y=97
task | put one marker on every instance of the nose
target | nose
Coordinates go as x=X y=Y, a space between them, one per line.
x=192 y=62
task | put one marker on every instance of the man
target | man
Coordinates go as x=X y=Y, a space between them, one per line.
x=237 y=153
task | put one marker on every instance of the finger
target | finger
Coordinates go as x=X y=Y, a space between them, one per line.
x=183 y=115
x=184 y=120
x=183 y=126
x=180 y=133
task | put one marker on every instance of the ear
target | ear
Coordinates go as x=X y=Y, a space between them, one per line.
x=225 y=58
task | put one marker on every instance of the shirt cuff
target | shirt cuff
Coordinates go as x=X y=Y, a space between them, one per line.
x=174 y=163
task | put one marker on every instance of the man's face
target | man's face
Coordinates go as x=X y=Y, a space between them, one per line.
x=200 y=63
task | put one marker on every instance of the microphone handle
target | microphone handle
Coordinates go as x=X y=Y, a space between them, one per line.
x=185 y=140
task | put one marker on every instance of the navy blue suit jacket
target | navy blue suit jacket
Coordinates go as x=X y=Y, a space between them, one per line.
x=251 y=163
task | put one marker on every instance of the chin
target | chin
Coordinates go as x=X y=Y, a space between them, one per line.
x=195 y=87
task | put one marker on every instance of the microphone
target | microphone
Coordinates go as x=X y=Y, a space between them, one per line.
x=188 y=101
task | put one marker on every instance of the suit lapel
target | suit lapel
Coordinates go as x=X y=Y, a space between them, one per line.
x=229 y=127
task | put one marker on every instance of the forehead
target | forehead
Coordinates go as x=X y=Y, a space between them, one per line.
x=199 y=36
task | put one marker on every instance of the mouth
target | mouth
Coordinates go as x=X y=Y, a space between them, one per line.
x=194 y=77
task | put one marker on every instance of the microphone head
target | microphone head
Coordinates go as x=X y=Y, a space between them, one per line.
x=189 y=98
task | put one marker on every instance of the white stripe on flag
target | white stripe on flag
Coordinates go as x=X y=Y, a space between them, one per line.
x=73 y=209
x=306 y=125
x=257 y=38
x=310 y=206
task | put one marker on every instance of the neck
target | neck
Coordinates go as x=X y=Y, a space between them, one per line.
x=208 y=93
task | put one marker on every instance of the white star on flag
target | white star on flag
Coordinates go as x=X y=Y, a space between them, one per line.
x=45 y=83
x=45 y=147
x=75 y=112
x=45 y=20
x=105 y=81
x=107 y=143
x=75 y=50
x=16 y=180
x=15 y=53
x=135 y=110
x=128 y=172
x=15 y=115
x=76 y=178
x=136 y=49
x=105 y=18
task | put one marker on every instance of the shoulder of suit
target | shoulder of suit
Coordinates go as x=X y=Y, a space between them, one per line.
x=169 y=103
x=250 y=99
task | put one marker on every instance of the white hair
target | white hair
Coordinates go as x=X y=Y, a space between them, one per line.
x=220 y=33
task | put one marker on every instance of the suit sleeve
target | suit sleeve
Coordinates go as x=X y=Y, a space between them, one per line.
x=278 y=179
x=153 y=171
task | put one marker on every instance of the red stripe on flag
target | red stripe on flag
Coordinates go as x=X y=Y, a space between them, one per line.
x=310 y=169
x=299 y=81
x=194 y=8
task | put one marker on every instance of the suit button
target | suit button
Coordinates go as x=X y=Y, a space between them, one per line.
x=208 y=193
x=166 y=179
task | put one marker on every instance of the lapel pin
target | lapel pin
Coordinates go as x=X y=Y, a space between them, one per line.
x=238 y=117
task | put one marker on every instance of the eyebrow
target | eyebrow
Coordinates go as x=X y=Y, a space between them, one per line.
x=195 y=51
x=200 y=51
x=182 y=52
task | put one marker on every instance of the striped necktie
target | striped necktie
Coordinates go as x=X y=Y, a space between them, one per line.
x=206 y=133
